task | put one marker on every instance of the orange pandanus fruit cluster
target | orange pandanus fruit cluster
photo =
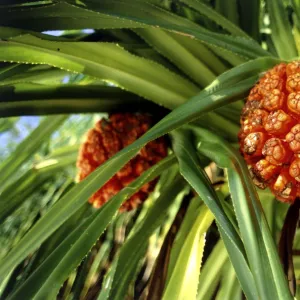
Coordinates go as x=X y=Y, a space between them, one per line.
x=270 y=131
x=107 y=138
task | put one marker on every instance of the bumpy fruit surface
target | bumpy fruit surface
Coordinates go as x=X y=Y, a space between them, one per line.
x=107 y=138
x=270 y=131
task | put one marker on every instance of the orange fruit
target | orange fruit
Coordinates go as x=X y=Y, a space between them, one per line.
x=270 y=131
x=107 y=138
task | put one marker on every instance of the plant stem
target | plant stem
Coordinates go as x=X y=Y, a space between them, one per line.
x=285 y=246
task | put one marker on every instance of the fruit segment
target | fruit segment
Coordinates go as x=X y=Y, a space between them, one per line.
x=293 y=83
x=254 y=122
x=107 y=138
x=293 y=103
x=263 y=172
x=295 y=169
x=273 y=100
x=285 y=188
x=270 y=131
x=276 y=152
x=278 y=123
x=293 y=138
x=254 y=143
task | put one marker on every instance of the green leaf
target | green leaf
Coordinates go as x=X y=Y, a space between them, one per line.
x=229 y=285
x=282 y=36
x=274 y=211
x=171 y=47
x=159 y=272
x=16 y=192
x=187 y=253
x=108 y=279
x=259 y=244
x=232 y=58
x=223 y=126
x=59 y=235
x=93 y=271
x=249 y=231
x=33 y=99
x=37 y=283
x=211 y=272
x=229 y=9
x=202 y=53
x=60 y=15
x=47 y=279
x=28 y=147
x=249 y=12
x=134 y=248
x=216 y=17
x=156 y=16
x=197 y=178
x=230 y=112
x=66 y=207
x=9 y=70
x=7 y=124
x=296 y=7
x=43 y=76
x=136 y=11
x=222 y=91
x=104 y=61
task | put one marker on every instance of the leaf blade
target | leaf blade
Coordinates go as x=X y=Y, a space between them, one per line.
x=281 y=30
x=59 y=213
x=190 y=170
x=104 y=61
x=133 y=249
x=256 y=234
x=183 y=276
x=29 y=146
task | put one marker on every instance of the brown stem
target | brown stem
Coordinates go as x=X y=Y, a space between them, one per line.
x=286 y=243
x=296 y=252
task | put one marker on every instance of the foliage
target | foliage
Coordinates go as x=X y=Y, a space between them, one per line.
x=190 y=63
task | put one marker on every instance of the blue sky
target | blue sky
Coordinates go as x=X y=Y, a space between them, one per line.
x=23 y=127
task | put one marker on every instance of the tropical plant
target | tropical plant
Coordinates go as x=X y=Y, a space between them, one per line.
x=205 y=232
